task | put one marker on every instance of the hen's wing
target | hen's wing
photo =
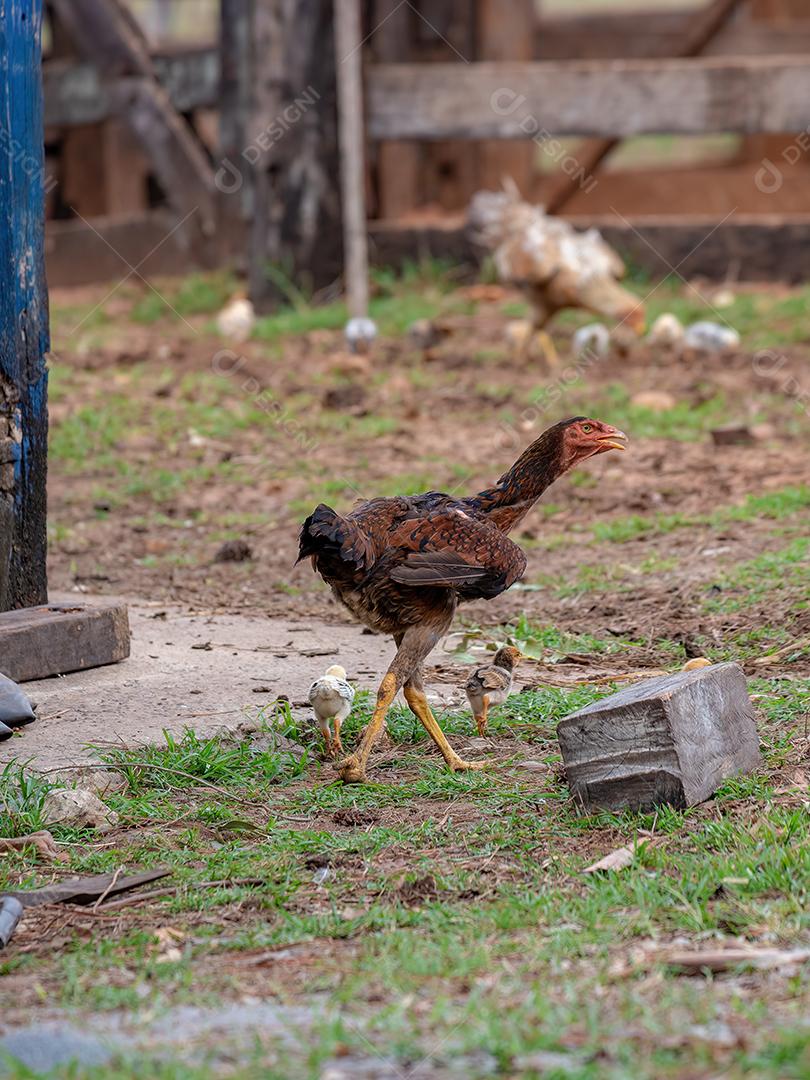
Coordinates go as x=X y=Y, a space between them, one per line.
x=449 y=549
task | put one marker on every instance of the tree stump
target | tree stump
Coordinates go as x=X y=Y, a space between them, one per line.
x=673 y=740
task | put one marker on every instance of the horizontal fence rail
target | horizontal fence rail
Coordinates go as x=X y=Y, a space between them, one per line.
x=749 y=95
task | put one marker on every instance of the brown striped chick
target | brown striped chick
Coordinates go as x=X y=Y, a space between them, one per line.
x=492 y=684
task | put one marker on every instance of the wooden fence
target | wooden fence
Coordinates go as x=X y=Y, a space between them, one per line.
x=438 y=128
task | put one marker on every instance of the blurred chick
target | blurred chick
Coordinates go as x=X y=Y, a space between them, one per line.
x=360 y=334
x=591 y=342
x=236 y=320
x=666 y=332
x=556 y=266
x=331 y=698
x=492 y=684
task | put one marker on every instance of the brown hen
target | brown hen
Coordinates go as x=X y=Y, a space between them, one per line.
x=401 y=565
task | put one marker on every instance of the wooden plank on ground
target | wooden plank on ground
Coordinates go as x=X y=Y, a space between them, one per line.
x=614 y=97
x=39 y=642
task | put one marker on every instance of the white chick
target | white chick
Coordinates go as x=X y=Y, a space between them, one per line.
x=666 y=331
x=360 y=334
x=710 y=337
x=236 y=320
x=331 y=698
x=591 y=341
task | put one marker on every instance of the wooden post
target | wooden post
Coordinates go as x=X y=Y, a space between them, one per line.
x=348 y=65
x=503 y=36
x=400 y=165
x=23 y=311
x=279 y=135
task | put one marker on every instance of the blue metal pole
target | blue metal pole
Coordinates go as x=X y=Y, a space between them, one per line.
x=24 y=338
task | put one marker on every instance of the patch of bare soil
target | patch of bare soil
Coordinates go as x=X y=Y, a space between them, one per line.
x=451 y=417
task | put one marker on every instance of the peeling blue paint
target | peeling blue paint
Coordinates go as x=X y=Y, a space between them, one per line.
x=24 y=339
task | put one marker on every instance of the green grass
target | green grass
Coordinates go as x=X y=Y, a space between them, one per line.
x=22 y=795
x=779 y=505
x=766 y=576
x=506 y=960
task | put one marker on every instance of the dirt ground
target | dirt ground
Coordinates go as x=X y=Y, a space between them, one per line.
x=426 y=924
x=165 y=448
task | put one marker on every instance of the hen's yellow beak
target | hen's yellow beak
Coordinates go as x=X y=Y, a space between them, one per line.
x=613 y=440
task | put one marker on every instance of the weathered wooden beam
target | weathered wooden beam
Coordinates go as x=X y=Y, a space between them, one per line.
x=760 y=248
x=40 y=642
x=75 y=93
x=77 y=255
x=673 y=739
x=24 y=338
x=616 y=98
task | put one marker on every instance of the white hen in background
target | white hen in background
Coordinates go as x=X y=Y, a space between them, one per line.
x=236 y=320
x=331 y=698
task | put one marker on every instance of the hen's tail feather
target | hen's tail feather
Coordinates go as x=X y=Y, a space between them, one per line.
x=325 y=532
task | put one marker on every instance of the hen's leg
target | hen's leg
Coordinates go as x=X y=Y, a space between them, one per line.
x=548 y=350
x=353 y=768
x=418 y=704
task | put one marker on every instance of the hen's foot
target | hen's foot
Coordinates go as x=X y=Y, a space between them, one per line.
x=352 y=770
x=457 y=764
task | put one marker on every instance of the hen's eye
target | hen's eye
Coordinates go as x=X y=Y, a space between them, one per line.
x=587 y=428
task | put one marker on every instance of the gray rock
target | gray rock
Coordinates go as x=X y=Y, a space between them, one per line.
x=77 y=808
x=673 y=739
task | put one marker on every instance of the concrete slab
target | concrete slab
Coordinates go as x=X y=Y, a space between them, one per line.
x=201 y=671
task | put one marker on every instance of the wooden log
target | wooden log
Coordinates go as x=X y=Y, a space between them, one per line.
x=617 y=98
x=40 y=642
x=348 y=63
x=673 y=740
x=23 y=311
